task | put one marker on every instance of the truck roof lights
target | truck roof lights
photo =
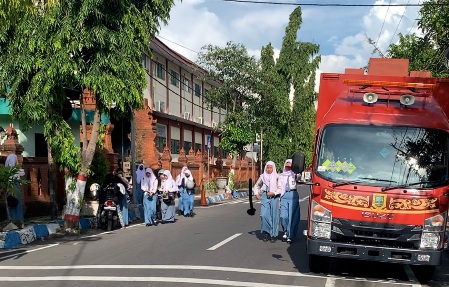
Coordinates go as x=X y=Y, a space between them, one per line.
x=407 y=100
x=370 y=98
x=388 y=84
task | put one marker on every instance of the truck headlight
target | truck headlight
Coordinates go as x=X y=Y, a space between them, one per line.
x=321 y=221
x=433 y=229
x=435 y=223
x=321 y=230
x=429 y=240
x=320 y=213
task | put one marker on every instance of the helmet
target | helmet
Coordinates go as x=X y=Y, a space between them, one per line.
x=94 y=188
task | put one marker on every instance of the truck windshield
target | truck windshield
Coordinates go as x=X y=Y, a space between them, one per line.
x=383 y=155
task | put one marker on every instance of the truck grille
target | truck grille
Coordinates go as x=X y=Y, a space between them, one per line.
x=376 y=234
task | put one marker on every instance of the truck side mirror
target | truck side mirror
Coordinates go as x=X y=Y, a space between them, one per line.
x=298 y=162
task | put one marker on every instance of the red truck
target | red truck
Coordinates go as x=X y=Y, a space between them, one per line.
x=380 y=177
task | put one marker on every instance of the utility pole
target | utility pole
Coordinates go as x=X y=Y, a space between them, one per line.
x=133 y=157
x=261 y=151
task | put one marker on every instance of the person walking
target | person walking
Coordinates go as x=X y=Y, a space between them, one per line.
x=149 y=187
x=182 y=195
x=289 y=212
x=140 y=174
x=268 y=189
x=169 y=189
x=15 y=199
x=188 y=184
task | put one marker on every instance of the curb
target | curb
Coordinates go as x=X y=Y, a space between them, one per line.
x=16 y=238
x=221 y=197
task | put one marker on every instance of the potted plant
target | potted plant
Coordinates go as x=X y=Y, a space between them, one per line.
x=210 y=185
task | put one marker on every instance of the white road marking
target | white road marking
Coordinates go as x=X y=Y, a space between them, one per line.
x=330 y=282
x=411 y=276
x=183 y=267
x=304 y=199
x=225 y=241
x=142 y=279
x=28 y=251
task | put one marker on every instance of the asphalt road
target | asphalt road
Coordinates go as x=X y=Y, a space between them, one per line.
x=219 y=246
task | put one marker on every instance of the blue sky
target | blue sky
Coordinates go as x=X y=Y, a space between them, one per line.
x=341 y=32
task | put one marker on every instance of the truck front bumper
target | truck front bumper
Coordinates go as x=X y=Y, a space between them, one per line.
x=373 y=253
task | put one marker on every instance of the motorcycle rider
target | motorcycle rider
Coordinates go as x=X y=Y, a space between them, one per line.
x=111 y=190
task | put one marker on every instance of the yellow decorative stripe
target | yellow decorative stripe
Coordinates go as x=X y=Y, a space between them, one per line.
x=380 y=210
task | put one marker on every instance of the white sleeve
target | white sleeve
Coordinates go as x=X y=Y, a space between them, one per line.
x=257 y=186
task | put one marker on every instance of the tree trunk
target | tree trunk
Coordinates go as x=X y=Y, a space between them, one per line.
x=75 y=197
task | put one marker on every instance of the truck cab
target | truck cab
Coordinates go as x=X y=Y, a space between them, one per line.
x=380 y=173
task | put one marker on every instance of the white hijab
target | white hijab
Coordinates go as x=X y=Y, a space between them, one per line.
x=269 y=179
x=151 y=179
x=11 y=160
x=181 y=176
x=140 y=174
x=169 y=183
x=284 y=175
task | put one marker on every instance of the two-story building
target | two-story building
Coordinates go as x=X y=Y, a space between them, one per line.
x=175 y=99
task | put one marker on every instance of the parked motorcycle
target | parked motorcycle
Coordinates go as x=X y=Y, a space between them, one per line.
x=107 y=214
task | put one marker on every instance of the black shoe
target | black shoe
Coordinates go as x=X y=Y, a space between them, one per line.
x=289 y=241
x=149 y=224
x=273 y=239
x=156 y=223
x=284 y=237
x=266 y=236
x=192 y=214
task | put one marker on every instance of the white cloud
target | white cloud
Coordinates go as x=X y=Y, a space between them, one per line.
x=195 y=23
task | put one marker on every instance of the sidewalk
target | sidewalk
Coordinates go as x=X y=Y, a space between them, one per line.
x=40 y=228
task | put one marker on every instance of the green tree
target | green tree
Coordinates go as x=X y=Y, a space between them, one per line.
x=237 y=75
x=289 y=128
x=13 y=10
x=421 y=53
x=84 y=45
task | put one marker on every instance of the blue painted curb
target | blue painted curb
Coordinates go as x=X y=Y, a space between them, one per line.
x=16 y=238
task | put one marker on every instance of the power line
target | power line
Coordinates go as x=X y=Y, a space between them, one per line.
x=331 y=4
x=397 y=27
x=159 y=36
x=381 y=28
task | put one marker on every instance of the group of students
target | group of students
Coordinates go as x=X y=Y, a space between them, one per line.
x=279 y=202
x=158 y=194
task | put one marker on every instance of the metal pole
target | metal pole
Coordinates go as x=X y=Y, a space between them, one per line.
x=133 y=156
x=261 y=151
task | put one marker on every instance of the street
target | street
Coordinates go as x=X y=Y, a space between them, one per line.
x=219 y=246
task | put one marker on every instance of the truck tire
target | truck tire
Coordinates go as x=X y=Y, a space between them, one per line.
x=317 y=264
x=423 y=273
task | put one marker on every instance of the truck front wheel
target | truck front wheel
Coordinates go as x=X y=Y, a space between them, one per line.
x=317 y=264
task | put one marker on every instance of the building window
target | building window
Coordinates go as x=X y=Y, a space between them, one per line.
x=197 y=90
x=215 y=151
x=174 y=78
x=174 y=146
x=145 y=62
x=197 y=147
x=159 y=70
x=187 y=146
x=160 y=143
x=186 y=84
x=40 y=146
